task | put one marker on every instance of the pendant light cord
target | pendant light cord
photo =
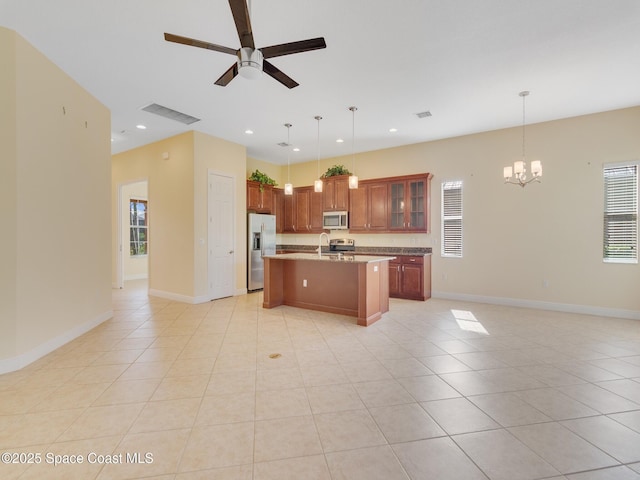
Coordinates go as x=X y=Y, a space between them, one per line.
x=524 y=96
x=353 y=138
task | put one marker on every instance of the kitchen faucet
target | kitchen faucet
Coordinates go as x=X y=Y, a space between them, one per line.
x=320 y=243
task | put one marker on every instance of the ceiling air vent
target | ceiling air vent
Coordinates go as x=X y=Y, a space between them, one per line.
x=170 y=114
x=424 y=114
x=284 y=144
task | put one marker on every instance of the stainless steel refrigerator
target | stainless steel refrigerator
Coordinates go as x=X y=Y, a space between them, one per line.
x=261 y=231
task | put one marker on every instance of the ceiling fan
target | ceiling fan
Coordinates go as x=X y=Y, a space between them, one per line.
x=251 y=60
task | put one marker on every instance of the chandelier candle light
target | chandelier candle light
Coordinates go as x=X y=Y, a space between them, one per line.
x=520 y=167
x=317 y=185
x=353 y=178
x=288 y=187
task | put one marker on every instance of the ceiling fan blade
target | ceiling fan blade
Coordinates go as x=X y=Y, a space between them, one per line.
x=277 y=74
x=240 y=12
x=227 y=76
x=293 y=47
x=169 y=37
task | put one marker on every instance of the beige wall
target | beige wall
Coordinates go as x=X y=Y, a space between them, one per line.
x=177 y=189
x=170 y=188
x=225 y=158
x=517 y=240
x=8 y=194
x=59 y=169
x=276 y=172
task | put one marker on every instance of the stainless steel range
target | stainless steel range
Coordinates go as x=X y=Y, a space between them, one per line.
x=342 y=246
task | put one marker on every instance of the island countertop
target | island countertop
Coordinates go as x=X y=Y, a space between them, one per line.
x=331 y=257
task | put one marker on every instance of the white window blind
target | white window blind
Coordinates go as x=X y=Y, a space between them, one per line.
x=451 y=242
x=621 y=213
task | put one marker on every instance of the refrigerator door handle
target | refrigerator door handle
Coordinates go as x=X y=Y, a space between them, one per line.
x=262 y=240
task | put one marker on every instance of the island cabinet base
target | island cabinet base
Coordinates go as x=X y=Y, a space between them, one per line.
x=356 y=289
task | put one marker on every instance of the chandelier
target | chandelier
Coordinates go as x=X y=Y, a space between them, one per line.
x=517 y=175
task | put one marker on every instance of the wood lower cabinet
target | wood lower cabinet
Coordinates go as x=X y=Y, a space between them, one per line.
x=410 y=277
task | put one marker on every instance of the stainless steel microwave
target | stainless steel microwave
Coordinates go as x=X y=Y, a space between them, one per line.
x=335 y=220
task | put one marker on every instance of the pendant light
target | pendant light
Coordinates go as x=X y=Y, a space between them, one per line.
x=317 y=185
x=288 y=187
x=353 y=179
x=520 y=167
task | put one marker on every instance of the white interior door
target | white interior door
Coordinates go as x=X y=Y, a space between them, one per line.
x=221 y=236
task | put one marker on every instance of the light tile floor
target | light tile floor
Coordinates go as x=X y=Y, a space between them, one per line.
x=435 y=390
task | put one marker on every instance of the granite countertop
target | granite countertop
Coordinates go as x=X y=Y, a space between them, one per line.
x=331 y=257
x=384 y=251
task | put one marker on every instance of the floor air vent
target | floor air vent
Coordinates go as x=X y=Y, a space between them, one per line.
x=170 y=114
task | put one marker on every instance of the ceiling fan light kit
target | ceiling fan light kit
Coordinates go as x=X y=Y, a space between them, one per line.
x=251 y=60
x=250 y=63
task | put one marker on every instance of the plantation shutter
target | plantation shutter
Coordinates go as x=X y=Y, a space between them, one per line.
x=621 y=214
x=451 y=244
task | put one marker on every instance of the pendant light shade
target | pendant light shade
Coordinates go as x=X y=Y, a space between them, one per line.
x=317 y=185
x=288 y=187
x=353 y=178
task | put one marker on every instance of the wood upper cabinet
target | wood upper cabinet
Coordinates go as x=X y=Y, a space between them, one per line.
x=278 y=209
x=409 y=203
x=335 y=193
x=259 y=197
x=410 y=277
x=368 y=207
x=303 y=211
x=288 y=217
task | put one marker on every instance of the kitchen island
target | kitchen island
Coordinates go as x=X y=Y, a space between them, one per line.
x=354 y=285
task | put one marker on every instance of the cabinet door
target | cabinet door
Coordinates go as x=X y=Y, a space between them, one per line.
x=416 y=199
x=397 y=206
x=358 y=217
x=377 y=209
x=266 y=199
x=302 y=205
x=341 y=194
x=288 y=225
x=315 y=211
x=411 y=281
x=328 y=194
x=253 y=196
x=278 y=209
x=394 y=278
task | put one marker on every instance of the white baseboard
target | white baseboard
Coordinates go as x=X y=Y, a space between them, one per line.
x=540 y=305
x=20 y=361
x=139 y=276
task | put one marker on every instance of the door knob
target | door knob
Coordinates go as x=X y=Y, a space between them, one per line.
x=230 y=251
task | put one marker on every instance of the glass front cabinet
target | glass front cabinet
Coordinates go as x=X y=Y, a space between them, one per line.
x=409 y=202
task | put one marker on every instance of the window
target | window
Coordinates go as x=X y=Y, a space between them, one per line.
x=621 y=213
x=451 y=224
x=138 y=233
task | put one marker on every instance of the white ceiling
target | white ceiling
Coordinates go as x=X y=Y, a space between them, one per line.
x=463 y=60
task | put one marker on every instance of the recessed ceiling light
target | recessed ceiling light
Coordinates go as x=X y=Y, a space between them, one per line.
x=393 y=130
x=249 y=132
x=339 y=140
x=141 y=127
x=296 y=149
